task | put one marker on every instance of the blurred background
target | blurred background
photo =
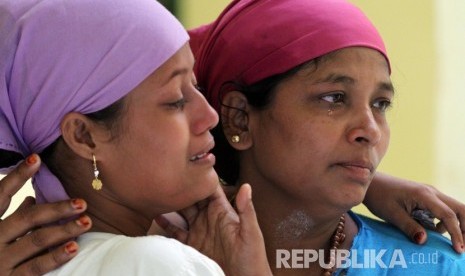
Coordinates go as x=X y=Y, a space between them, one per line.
x=424 y=39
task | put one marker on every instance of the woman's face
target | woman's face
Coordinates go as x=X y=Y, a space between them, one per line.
x=160 y=161
x=325 y=131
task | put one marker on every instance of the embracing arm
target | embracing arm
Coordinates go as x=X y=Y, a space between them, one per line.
x=394 y=199
x=22 y=242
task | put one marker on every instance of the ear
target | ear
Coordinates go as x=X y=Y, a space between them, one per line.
x=235 y=119
x=77 y=133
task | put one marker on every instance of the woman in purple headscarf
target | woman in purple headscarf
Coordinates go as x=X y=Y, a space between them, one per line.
x=104 y=91
x=302 y=88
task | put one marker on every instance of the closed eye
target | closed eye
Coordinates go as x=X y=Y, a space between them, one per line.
x=179 y=104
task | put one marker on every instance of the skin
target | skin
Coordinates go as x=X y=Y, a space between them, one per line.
x=24 y=255
x=173 y=169
x=346 y=146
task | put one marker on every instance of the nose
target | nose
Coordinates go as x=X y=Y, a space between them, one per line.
x=364 y=128
x=205 y=117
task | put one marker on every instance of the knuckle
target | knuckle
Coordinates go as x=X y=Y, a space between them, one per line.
x=4 y=195
x=71 y=229
x=36 y=267
x=38 y=239
x=447 y=215
x=20 y=172
x=24 y=215
x=423 y=192
x=58 y=258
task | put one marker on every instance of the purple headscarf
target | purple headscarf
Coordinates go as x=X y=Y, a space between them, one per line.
x=59 y=56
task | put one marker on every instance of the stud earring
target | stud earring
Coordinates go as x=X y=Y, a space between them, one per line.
x=235 y=139
x=330 y=112
x=96 y=183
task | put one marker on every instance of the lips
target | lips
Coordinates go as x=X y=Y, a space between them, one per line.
x=203 y=153
x=358 y=171
x=361 y=165
x=198 y=156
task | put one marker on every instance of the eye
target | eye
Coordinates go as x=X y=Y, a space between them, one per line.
x=333 y=98
x=179 y=104
x=382 y=104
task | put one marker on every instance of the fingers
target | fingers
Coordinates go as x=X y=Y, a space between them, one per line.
x=171 y=229
x=25 y=219
x=18 y=247
x=453 y=220
x=11 y=183
x=409 y=226
x=47 y=237
x=445 y=209
x=49 y=261
x=246 y=211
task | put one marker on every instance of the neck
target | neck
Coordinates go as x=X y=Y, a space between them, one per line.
x=298 y=224
x=107 y=212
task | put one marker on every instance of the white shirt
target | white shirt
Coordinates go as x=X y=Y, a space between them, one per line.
x=109 y=254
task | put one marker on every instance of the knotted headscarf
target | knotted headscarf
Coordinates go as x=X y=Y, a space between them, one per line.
x=59 y=56
x=255 y=39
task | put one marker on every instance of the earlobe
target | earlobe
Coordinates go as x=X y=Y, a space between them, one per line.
x=76 y=131
x=235 y=120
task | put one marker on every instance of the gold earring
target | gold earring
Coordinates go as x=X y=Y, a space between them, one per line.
x=330 y=112
x=96 y=183
x=235 y=139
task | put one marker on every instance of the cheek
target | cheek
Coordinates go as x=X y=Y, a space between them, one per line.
x=383 y=144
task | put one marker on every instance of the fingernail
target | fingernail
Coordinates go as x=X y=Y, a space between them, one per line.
x=83 y=221
x=418 y=237
x=71 y=248
x=31 y=160
x=77 y=204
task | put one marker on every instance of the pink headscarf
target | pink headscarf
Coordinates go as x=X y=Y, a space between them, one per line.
x=256 y=39
x=58 y=56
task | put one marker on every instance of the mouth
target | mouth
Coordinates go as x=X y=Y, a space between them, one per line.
x=203 y=154
x=363 y=166
x=359 y=171
x=199 y=156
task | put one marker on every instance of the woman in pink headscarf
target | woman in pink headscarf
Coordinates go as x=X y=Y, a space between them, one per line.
x=302 y=88
x=105 y=92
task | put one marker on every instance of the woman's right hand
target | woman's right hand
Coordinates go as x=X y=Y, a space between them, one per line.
x=230 y=237
x=23 y=242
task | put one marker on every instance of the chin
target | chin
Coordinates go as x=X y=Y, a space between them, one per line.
x=352 y=198
x=207 y=184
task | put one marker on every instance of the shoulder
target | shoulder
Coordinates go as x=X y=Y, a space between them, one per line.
x=375 y=229
x=106 y=254
x=386 y=247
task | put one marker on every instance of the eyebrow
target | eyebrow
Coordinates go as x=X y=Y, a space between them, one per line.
x=338 y=78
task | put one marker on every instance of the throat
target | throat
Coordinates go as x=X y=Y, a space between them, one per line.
x=299 y=232
x=295 y=227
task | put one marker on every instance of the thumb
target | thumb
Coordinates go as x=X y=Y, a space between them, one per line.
x=246 y=211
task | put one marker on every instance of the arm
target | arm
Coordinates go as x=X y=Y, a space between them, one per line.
x=394 y=199
x=22 y=243
x=233 y=239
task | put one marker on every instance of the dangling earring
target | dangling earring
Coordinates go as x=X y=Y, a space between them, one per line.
x=235 y=139
x=96 y=183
